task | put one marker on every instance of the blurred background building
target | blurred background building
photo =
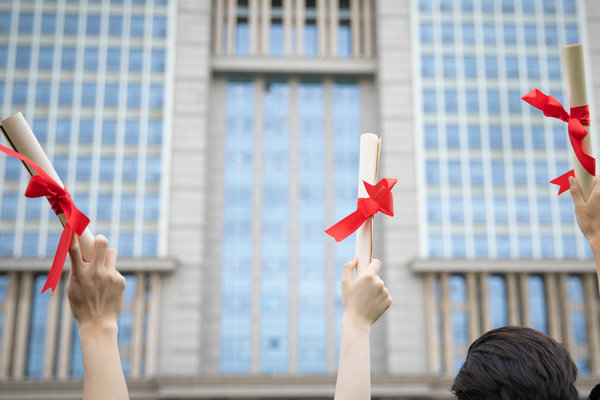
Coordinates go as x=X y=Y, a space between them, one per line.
x=213 y=141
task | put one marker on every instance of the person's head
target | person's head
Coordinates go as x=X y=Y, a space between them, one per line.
x=516 y=363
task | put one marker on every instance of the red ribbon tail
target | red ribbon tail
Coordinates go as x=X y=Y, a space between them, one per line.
x=346 y=227
x=563 y=181
x=59 y=259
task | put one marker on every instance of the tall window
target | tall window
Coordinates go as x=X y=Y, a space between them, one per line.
x=286 y=151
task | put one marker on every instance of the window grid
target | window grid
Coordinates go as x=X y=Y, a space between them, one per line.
x=490 y=100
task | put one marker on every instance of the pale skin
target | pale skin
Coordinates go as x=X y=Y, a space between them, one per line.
x=588 y=216
x=365 y=299
x=95 y=291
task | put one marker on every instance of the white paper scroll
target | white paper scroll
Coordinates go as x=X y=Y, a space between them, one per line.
x=20 y=137
x=367 y=171
x=574 y=68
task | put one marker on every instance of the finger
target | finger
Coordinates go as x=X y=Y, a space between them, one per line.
x=374 y=266
x=348 y=274
x=75 y=255
x=110 y=261
x=576 y=192
x=100 y=248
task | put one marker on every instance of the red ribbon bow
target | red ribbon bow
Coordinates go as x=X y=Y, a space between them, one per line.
x=380 y=199
x=61 y=202
x=577 y=120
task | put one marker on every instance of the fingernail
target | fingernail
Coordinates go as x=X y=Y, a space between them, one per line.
x=571 y=180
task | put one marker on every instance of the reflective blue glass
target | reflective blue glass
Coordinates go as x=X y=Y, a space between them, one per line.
x=149 y=244
x=65 y=94
x=480 y=246
x=19 y=96
x=69 y=57
x=452 y=137
x=4 y=55
x=153 y=169
x=447 y=31
x=30 y=244
x=46 y=55
x=565 y=208
x=525 y=246
x=456 y=209
x=578 y=325
x=551 y=34
x=450 y=101
x=76 y=364
x=155 y=131
x=159 y=27
x=111 y=95
x=311 y=38
x=493 y=99
x=431 y=136
x=474 y=134
x=478 y=209
x=549 y=6
x=432 y=170
x=487 y=6
x=84 y=168
x=495 y=137
x=156 y=96
x=428 y=66
x=502 y=246
x=538 y=137
x=434 y=209
x=107 y=168
x=466 y=5
x=446 y=5
x=132 y=131
x=547 y=246
x=491 y=67
x=151 y=206
x=514 y=101
x=497 y=300
x=12 y=170
x=109 y=131
x=522 y=209
x=544 y=211
x=113 y=59
x=125 y=244
x=512 y=67
x=128 y=207
x=37 y=329
x=489 y=34
x=460 y=329
x=92 y=27
x=9 y=205
x=276 y=36
x=88 y=94
x=559 y=135
x=426 y=33
x=454 y=173
x=5 y=21
x=516 y=137
x=23 y=57
x=90 y=60
x=472 y=100
x=104 y=212
x=137 y=26
x=476 y=172
x=425 y=5
x=134 y=94
x=42 y=93
x=115 y=25
x=7 y=243
x=130 y=167
x=71 y=24
x=458 y=246
x=537 y=303
x=569 y=6
x=510 y=34
x=158 y=60
x=498 y=175
x=86 y=130
x=533 y=68
x=541 y=173
x=242 y=38
x=436 y=246
x=449 y=65
x=500 y=210
x=468 y=33
x=470 y=65
x=136 y=59
x=571 y=34
x=429 y=101
x=530 y=34
x=569 y=246
x=26 y=23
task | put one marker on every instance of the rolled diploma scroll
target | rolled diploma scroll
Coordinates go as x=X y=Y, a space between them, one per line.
x=574 y=67
x=367 y=171
x=20 y=137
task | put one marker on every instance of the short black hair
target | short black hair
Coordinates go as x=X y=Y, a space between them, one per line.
x=516 y=363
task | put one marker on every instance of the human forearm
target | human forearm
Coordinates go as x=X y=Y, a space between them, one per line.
x=354 y=370
x=99 y=347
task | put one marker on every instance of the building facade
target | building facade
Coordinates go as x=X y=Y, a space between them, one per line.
x=212 y=142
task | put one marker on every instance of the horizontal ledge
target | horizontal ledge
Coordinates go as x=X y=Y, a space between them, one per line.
x=123 y=264
x=491 y=266
x=396 y=386
x=298 y=65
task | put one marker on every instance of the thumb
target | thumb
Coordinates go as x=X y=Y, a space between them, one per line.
x=348 y=274
x=576 y=192
x=74 y=255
